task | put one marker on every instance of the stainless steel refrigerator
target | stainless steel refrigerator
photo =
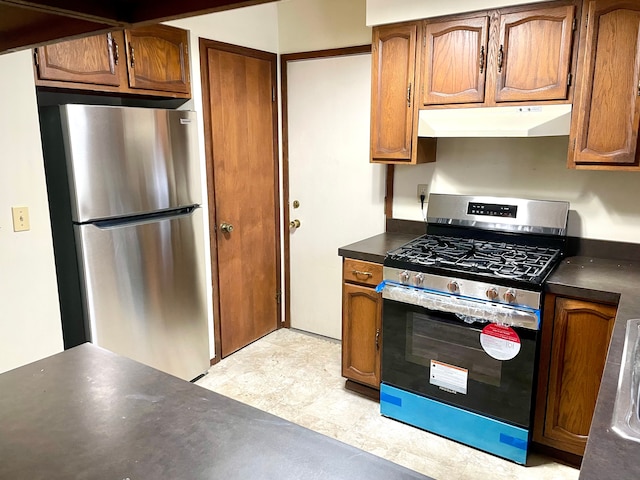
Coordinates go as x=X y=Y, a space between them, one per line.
x=124 y=195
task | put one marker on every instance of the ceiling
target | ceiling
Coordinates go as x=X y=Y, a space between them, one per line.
x=26 y=24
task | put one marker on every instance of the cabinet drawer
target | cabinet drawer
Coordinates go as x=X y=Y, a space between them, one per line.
x=365 y=273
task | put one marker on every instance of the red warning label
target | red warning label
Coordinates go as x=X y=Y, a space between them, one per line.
x=500 y=341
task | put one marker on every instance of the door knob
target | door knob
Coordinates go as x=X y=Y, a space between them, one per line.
x=226 y=227
x=294 y=223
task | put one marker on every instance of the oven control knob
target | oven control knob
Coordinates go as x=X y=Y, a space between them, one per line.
x=404 y=277
x=418 y=279
x=453 y=286
x=509 y=296
x=492 y=293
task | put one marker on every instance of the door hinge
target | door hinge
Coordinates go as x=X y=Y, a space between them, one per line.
x=35 y=57
x=273 y=94
x=278 y=297
x=569 y=78
x=574 y=24
x=586 y=21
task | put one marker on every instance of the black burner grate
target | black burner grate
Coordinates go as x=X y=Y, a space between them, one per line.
x=500 y=259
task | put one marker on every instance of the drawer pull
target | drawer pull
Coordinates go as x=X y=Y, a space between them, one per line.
x=361 y=273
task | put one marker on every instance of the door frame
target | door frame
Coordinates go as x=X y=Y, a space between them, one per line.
x=284 y=61
x=204 y=45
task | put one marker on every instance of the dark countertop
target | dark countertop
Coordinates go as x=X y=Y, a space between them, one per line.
x=87 y=413
x=374 y=249
x=610 y=281
x=600 y=280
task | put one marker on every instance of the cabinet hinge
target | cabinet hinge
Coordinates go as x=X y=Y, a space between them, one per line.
x=569 y=78
x=424 y=39
x=574 y=24
x=273 y=94
x=586 y=21
x=35 y=57
x=278 y=297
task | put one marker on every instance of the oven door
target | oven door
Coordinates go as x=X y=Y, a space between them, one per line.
x=437 y=355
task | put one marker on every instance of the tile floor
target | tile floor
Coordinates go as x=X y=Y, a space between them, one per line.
x=296 y=376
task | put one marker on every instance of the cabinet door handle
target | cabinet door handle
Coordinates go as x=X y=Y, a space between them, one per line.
x=500 y=58
x=639 y=89
x=360 y=272
x=409 y=95
x=132 y=53
x=116 y=52
x=482 y=59
x=377 y=339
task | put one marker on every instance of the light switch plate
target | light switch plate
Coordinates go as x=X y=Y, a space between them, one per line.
x=20 y=219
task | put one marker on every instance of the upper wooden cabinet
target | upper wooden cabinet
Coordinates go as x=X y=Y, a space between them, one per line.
x=157 y=58
x=91 y=60
x=606 y=118
x=454 y=61
x=147 y=61
x=575 y=340
x=526 y=57
x=394 y=111
x=393 y=76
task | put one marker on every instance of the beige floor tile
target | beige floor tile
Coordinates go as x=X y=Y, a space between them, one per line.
x=296 y=376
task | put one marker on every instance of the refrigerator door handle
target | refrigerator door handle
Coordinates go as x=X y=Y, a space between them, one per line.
x=146 y=218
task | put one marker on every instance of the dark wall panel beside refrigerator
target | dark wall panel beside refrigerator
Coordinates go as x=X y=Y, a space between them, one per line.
x=124 y=195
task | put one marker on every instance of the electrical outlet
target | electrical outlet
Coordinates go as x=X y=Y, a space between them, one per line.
x=20 y=219
x=423 y=189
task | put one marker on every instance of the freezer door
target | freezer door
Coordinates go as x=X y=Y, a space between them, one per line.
x=126 y=161
x=144 y=291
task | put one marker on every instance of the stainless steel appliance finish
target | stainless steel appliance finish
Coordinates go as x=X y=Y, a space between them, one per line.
x=530 y=216
x=127 y=161
x=124 y=201
x=626 y=412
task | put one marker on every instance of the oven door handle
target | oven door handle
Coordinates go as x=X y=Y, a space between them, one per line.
x=488 y=311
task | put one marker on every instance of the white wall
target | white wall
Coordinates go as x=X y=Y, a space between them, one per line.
x=604 y=205
x=252 y=27
x=390 y=11
x=30 y=326
x=308 y=25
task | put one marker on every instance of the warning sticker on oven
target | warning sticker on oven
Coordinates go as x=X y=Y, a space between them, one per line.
x=448 y=377
x=500 y=341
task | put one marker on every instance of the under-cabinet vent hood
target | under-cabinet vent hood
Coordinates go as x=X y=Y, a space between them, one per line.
x=519 y=121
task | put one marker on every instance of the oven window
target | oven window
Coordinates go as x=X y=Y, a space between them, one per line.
x=455 y=344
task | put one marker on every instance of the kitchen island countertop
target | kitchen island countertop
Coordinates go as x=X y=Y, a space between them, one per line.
x=87 y=413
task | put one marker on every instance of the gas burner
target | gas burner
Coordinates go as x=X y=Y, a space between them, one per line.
x=487 y=258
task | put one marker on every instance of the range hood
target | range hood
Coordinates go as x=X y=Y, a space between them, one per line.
x=518 y=121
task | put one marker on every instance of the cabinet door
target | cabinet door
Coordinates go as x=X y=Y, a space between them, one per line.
x=454 y=62
x=361 y=334
x=579 y=340
x=158 y=59
x=533 y=56
x=90 y=60
x=393 y=67
x=606 y=117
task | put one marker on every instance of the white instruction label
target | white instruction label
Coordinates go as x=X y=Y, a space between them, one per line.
x=448 y=377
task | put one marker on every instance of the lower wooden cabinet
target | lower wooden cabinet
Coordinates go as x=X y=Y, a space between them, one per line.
x=361 y=322
x=575 y=340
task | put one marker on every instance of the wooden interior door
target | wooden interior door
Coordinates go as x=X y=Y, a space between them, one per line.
x=455 y=61
x=93 y=60
x=242 y=172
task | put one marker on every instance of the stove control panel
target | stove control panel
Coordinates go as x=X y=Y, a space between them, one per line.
x=492 y=209
x=464 y=287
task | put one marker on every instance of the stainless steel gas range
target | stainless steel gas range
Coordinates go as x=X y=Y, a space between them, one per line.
x=461 y=319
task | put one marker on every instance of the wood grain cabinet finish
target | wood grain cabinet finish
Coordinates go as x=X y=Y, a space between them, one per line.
x=508 y=55
x=157 y=59
x=454 y=61
x=145 y=61
x=575 y=340
x=606 y=112
x=361 y=325
x=89 y=60
x=533 y=55
x=393 y=83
